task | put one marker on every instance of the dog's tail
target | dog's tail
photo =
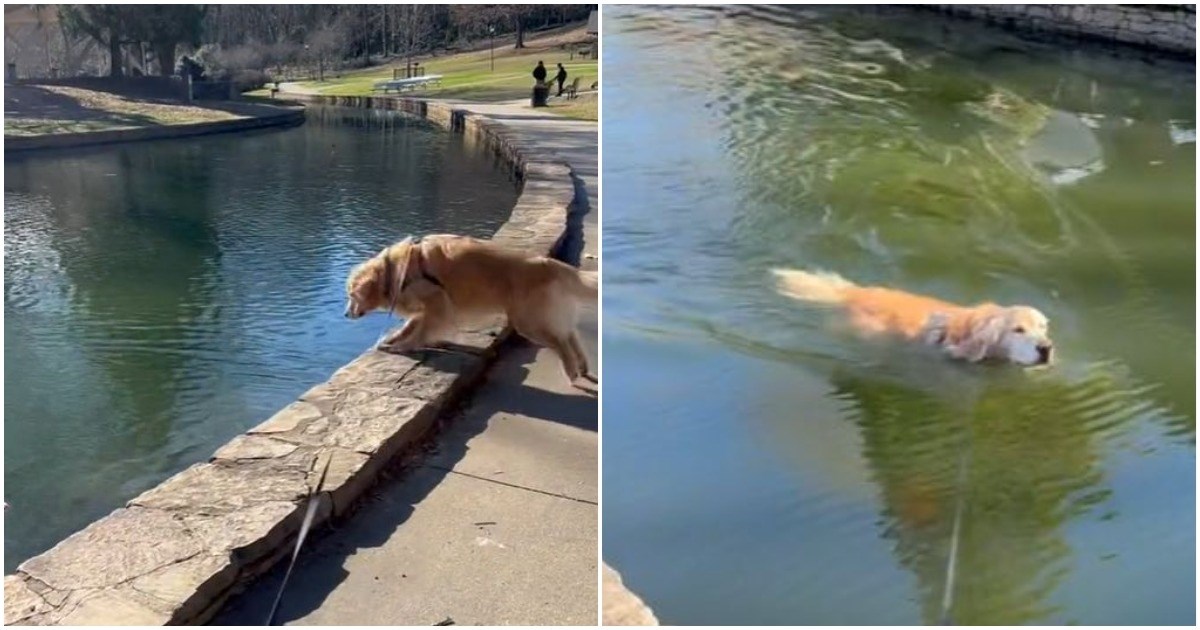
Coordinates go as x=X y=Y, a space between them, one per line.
x=588 y=285
x=822 y=286
x=580 y=284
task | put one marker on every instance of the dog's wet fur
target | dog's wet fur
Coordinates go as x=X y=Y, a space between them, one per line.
x=1017 y=334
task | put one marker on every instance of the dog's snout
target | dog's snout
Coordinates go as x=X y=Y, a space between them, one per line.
x=1044 y=351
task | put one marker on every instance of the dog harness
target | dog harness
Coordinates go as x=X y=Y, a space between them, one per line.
x=421 y=272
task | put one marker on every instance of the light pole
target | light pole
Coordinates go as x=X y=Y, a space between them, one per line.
x=492 y=33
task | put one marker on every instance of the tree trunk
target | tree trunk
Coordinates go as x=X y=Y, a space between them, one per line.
x=520 y=32
x=46 y=43
x=114 y=57
x=166 y=58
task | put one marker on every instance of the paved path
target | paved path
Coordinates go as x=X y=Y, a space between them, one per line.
x=296 y=87
x=499 y=525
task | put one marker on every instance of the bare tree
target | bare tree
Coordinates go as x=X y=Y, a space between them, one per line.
x=324 y=44
x=415 y=27
x=109 y=24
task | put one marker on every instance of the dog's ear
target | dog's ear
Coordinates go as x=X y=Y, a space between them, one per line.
x=364 y=271
x=983 y=331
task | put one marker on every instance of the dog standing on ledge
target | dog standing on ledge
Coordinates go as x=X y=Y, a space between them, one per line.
x=1018 y=334
x=442 y=279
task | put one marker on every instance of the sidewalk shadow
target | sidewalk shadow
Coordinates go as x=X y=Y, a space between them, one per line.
x=403 y=486
x=320 y=568
x=570 y=247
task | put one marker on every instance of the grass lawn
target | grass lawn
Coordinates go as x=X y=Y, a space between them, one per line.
x=469 y=75
x=41 y=110
x=586 y=107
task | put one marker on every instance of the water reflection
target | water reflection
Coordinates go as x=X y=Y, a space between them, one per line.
x=1025 y=478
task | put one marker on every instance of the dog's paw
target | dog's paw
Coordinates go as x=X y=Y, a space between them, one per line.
x=399 y=349
x=586 y=388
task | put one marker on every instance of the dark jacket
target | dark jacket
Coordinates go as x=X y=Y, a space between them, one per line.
x=539 y=72
x=562 y=74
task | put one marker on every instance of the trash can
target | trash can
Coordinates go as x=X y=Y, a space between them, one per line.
x=541 y=93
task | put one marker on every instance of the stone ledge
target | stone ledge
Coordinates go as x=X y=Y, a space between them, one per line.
x=175 y=553
x=27 y=144
x=621 y=606
x=1169 y=29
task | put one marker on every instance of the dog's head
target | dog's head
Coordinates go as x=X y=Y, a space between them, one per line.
x=366 y=289
x=371 y=284
x=1019 y=334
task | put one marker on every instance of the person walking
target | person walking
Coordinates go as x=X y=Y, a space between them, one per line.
x=539 y=73
x=561 y=77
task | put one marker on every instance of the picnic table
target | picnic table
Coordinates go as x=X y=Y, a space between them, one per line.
x=413 y=83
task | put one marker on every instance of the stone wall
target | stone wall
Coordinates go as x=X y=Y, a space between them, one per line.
x=621 y=606
x=174 y=554
x=1169 y=28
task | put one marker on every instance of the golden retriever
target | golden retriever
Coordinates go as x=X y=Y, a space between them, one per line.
x=1018 y=334
x=442 y=279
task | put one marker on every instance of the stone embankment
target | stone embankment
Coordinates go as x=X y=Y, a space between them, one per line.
x=1168 y=27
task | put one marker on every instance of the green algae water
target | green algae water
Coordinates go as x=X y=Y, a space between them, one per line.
x=761 y=467
x=160 y=298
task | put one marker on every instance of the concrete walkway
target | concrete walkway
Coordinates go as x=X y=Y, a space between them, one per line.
x=497 y=526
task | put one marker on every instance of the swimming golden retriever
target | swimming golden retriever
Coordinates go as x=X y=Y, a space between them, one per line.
x=443 y=279
x=1018 y=334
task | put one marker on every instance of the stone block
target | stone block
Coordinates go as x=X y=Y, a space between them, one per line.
x=189 y=586
x=245 y=447
x=246 y=535
x=363 y=420
x=374 y=370
x=288 y=419
x=113 y=608
x=213 y=489
x=20 y=601
x=350 y=474
x=126 y=544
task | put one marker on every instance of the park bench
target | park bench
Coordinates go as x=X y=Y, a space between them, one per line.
x=414 y=83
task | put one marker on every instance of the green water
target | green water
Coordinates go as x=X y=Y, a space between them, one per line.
x=160 y=298
x=761 y=467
